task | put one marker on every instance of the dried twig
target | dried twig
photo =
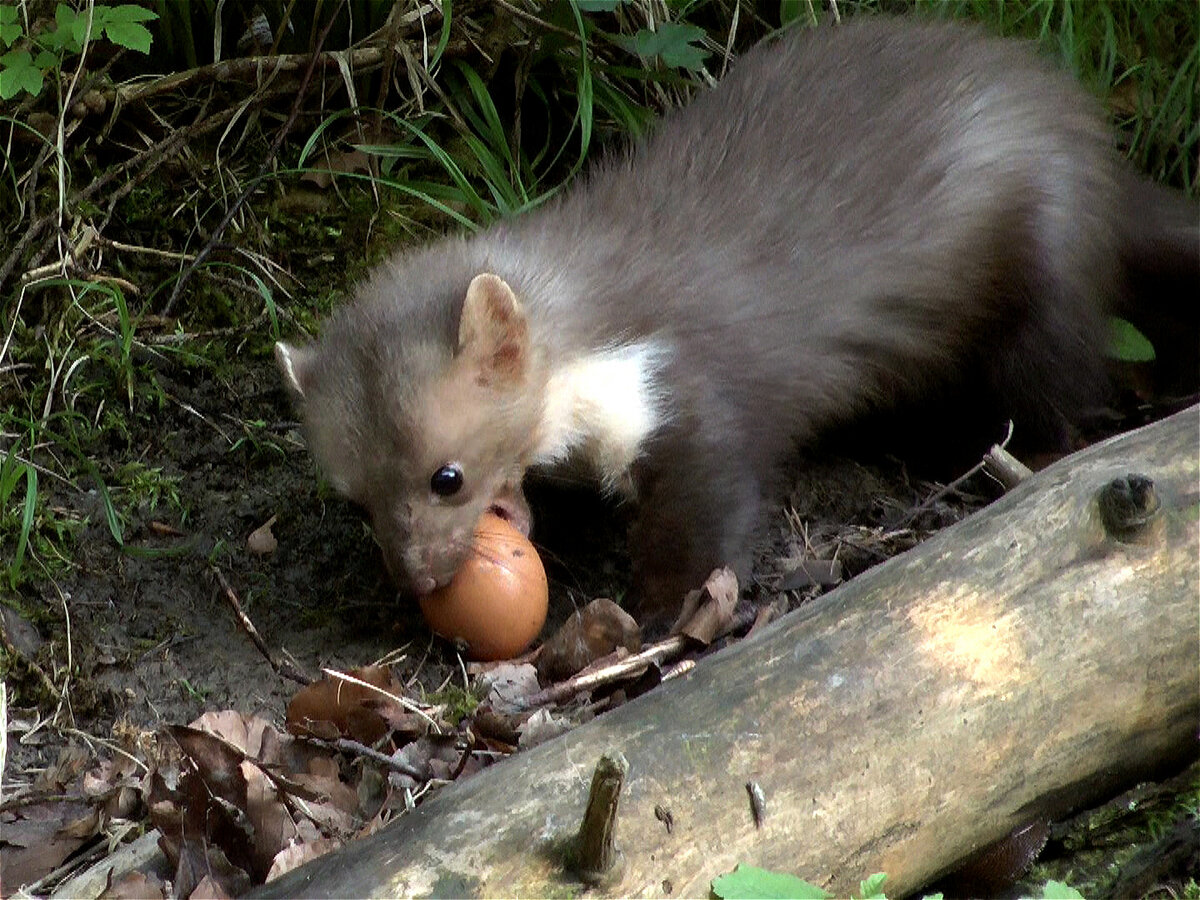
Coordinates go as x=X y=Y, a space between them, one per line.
x=981 y=466
x=142 y=165
x=661 y=651
x=345 y=745
x=402 y=702
x=282 y=667
x=364 y=59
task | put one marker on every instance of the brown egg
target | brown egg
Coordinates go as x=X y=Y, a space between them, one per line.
x=496 y=602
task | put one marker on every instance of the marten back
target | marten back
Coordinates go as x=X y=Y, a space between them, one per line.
x=842 y=221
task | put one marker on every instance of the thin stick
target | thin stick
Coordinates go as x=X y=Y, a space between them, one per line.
x=282 y=668
x=565 y=690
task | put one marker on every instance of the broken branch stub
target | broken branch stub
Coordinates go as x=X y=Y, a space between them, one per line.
x=595 y=857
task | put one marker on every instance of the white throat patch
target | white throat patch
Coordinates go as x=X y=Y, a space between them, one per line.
x=601 y=408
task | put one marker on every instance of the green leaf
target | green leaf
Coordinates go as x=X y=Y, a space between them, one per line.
x=121 y=26
x=57 y=41
x=64 y=16
x=78 y=25
x=18 y=73
x=111 y=516
x=129 y=13
x=753 y=883
x=11 y=30
x=872 y=888
x=129 y=34
x=70 y=31
x=789 y=11
x=1126 y=343
x=584 y=111
x=597 y=6
x=10 y=471
x=1056 y=890
x=673 y=43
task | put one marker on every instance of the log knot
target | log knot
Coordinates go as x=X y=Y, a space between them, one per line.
x=1128 y=506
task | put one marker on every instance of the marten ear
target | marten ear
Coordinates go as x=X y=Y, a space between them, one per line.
x=293 y=364
x=493 y=333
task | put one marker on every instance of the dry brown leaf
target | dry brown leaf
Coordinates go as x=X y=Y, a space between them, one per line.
x=332 y=707
x=589 y=634
x=208 y=889
x=298 y=854
x=199 y=863
x=807 y=573
x=432 y=755
x=499 y=730
x=206 y=813
x=72 y=760
x=135 y=886
x=261 y=541
x=507 y=685
x=273 y=825
x=36 y=838
x=542 y=726
x=226 y=724
x=713 y=615
x=335 y=813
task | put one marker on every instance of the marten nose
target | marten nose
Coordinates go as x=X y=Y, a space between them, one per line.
x=407 y=572
x=414 y=566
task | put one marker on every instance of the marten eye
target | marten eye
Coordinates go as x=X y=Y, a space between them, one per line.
x=447 y=481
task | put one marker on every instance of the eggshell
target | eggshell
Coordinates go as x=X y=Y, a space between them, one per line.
x=497 y=600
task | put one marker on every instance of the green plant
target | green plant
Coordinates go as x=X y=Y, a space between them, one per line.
x=117 y=350
x=1057 y=890
x=462 y=160
x=675 y=44
x=148 y=485
x=192 y=692
x=29 y=526
x=18 y=518
x=763 y=884
x=459 y=703
x=257 y=437
x=1126 y=343
x=23 y=69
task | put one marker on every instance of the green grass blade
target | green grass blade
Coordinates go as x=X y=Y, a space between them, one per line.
x=111 y=516
x=27 y=516
x=444 y=38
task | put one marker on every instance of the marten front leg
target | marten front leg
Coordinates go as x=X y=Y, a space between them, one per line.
x=699 y=503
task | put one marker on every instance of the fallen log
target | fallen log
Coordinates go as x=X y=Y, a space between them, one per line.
x=1038 y=656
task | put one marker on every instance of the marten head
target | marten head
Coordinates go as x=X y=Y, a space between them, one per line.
x=422 y=410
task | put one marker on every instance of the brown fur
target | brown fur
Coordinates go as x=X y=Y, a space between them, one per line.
x=856 y=217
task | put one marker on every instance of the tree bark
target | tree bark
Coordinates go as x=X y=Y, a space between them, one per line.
x=1036 y=657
